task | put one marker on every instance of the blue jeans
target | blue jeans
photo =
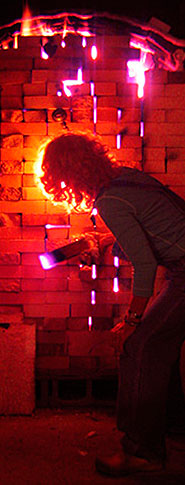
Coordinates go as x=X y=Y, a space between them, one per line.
x=146 y=365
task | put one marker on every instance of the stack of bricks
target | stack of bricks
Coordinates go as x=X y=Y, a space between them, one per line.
x=58 y=301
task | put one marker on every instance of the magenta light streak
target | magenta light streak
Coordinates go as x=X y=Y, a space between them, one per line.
x=90 y=323
x=84 y=41
x=94 y=52
x=118 y=141
x=119 y=114
x=53 y=226
x=93 y=272
x=115 y=285
x=93 y=297
x=91 y=88
x=95 y=109
x=142 y=129
x=116 y=261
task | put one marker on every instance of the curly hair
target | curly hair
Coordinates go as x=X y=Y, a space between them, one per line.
x=74 y=168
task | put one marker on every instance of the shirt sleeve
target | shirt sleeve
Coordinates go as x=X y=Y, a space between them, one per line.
x=120 y=218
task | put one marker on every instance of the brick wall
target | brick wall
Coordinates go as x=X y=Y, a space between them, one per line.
x=58 y=300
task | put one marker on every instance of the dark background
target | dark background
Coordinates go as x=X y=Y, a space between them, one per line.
x=172 y=13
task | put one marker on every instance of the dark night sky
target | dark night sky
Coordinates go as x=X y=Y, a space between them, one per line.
x=170 y=13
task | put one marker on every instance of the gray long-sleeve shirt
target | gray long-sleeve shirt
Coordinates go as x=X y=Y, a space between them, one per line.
x=147 y=222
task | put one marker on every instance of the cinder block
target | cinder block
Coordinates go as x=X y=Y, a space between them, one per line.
x=17 y=377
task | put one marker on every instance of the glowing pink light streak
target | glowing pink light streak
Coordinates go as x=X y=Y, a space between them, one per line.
x=93 y=297
x=115 y=285
x=116 y=261
x=95 y=109
x=94 y=52
x=118 y=141
x=73 y=82
x=90 y=323
x=92 y=88
x=93 y=272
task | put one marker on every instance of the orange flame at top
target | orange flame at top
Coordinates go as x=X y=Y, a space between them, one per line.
x=26 y=26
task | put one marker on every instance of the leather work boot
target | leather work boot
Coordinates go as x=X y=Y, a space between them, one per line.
x=121 y=464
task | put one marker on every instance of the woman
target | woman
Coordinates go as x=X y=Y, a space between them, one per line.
x=148 y=222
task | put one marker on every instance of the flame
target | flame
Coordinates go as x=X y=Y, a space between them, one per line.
x=26 y=25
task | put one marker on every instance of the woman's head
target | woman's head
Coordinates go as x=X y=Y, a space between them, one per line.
x=74 y=167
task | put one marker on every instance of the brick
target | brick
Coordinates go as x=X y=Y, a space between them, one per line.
x=129 y=156
x=52 y=362
x=165 y=128
x=11 y=90
x=154 y=166
x=67 y=297
x=175 y=102
x=29 y=168
x=12 y=77
x=154 y=89
x=118 y=102
x=11 y=167
x=10 y=271
x=42 y=219
x=83 y=365
x=175 y=116
x=27 y=207
x=34 y=89
x=154 y=154
x=176 y=77
x=105 y=128
x=55 y=323
x=44 y=102
x=24 y=128
x=175 y=90
x=9 y=259
x=8 y=180
x=32 y=193
x=77 y=324
x=176 y=167
x=84 y=310
x=30 y=259
x=55 y=130
x=154 y=115
x=12 y=115
x=32 y=116
x=93 y=343
x=10 y=285
x=100 y=75
x=37 y=232
x=176 y=153
x=11 y=154
x=10 y=102
x=36 y=284
x=157 y=76
x=28 y=271
x=171 y=180
x=22 y=245
x=10 y=232
x=46 y=311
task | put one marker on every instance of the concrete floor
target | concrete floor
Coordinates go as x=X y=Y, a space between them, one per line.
x=59 y=448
